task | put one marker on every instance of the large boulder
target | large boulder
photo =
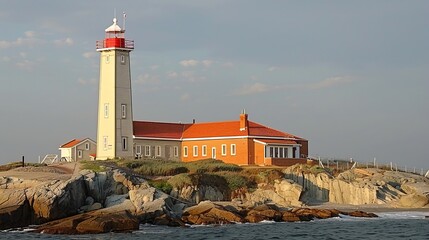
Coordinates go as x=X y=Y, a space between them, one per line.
x=210 y=213
x=90 y=223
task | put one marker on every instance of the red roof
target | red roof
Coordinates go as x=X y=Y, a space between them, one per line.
x=204 y=130
x=70 y=144
x=158 y=129
x=277 y=141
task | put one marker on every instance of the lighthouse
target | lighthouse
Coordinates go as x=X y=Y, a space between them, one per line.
x=115 y=116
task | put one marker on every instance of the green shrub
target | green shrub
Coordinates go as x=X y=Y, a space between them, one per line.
x=181 y=180
x=96 y=166
x=211 y=165
x=162 y=185
x=235 y=181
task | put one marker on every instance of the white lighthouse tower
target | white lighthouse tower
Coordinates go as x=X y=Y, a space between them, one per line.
x=115 y=116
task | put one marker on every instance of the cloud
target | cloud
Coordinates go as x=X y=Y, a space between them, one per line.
x=154 y=67
x=252 y=89
x=190 y=76
x=91 y=81
x=189 y=63
x=29 y=40
x=147 y=79
x=272 y=69
x=329 y=82
x=25 y=64
x=89 y=54
x=172 y=75
x=64 y=42
x=185 y=97
x=326 y=83
x=6 y=59
x=207 y=63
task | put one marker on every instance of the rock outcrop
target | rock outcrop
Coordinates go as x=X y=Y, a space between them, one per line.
x=210 y=213
x=361 y=186
x=24 y=202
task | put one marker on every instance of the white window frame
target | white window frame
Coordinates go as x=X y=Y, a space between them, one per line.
x=176 y=151
x=147 y=150
x=106 y=110
x=124 y=141
x=195 y=151
x=223 y=148
x=204 y=150
x=79 y=154
x=122 y=59
x=233 y=149
x=185 y=151
x=158 y=151
x=87 y=146
x=139 y=149
x=214 y=152
x=124 y=111
x=105 y=142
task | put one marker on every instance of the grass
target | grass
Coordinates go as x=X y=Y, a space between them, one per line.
x=13 y=165
x=95 y=166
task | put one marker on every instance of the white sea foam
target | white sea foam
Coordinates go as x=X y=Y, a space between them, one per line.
x=403 y=215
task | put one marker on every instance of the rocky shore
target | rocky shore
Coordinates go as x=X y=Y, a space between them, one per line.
x=64 y=200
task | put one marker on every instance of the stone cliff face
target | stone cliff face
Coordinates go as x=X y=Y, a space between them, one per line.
x=362 y=186
x=24 y=202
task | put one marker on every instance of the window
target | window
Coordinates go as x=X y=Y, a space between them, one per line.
x=105 y=142
x=233 y=149
x=79 y=153
x=147 y=150
x=223 y=149
x=185 y=151
x=281 y=150
x=122 y=59
x=139 y=150
x=213 y=152
x=176 y=151
x=124 y=143
x=106 y=110
x=195 y=151
x=286 y=153
x=124 y=110
x=107 y=58
x=158 y=151
x=87 y=146
x=204 y=150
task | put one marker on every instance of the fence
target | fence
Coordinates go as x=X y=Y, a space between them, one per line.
x=343 y=165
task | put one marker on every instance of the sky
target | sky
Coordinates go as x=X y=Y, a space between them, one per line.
x=352 y=77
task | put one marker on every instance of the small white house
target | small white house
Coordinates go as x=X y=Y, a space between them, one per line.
x=77 y=150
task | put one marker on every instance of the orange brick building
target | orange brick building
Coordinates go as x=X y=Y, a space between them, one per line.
x=241 y=142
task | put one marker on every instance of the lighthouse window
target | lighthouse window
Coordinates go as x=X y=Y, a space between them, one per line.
x=106 y=110
x=124 y=110
x=107 y=59
x=124 y=143
x=122 y=59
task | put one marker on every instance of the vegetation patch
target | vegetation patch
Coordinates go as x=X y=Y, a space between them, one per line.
x=162 y=185
x=14 y=165
x=95 y=166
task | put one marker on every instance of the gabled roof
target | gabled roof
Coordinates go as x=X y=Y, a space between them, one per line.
x=70 y=144
x=75 y=142
x=276 y=141
x=145 y=129
x=183 y=131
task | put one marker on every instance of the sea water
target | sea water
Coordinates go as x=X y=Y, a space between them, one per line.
x=389 y=225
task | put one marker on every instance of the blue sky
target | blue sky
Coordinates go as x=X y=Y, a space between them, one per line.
x=350 y=76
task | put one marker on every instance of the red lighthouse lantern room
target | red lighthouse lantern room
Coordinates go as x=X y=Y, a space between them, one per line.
x=115 y=38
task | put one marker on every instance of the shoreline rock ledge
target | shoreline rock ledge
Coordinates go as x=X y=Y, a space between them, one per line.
x=116 y=200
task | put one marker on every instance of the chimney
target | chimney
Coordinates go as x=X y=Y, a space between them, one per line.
x=244 y=124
